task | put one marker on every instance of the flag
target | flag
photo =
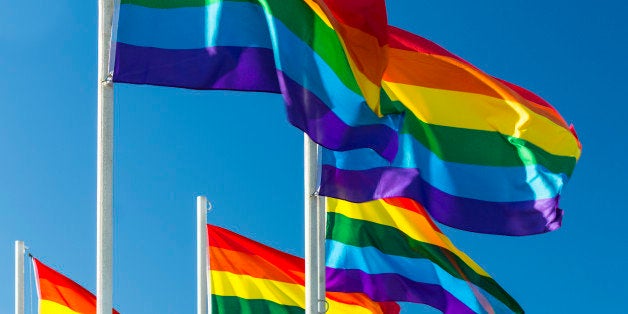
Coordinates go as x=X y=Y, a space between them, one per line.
x=58 y=294
x=250 y=277
x=325 y=58
x=399 y=115
x=479 y=153
x=391 y=250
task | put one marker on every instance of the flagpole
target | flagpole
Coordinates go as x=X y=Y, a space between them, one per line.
x=202 y=281
x=19 y=277
x=314 y=278
x=104 y=167
x=321 y=226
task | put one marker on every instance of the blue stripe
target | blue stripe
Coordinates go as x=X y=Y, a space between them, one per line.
x=414 y=308
x=372 y=261
x=495 y=184
x=314 y=74
x=190 y=27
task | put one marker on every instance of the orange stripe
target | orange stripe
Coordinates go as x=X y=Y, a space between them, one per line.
x=358 y=299
x=366 y=53
x=251 y=265
x=413 y=68
x=412 y=205
x=223 y=238
x=67 y=296
x=405 y=41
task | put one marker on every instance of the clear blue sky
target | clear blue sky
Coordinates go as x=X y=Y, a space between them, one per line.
x=238 y=149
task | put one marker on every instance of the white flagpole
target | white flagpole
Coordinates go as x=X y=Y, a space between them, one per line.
x=104 y=167
x=321 y=221
x=314 y=280
x=19 y=277
x=202 y=281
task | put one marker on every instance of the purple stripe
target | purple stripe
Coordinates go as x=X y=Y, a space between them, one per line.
x=507 y=218
x=231 y=68
x=309 y=113
x=393 y=287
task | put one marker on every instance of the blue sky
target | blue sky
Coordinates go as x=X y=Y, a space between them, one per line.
x=238 y=149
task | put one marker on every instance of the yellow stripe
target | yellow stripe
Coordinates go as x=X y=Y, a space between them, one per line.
x=49 y=307
x=414 y=225
x=481 y=112
x=370 y=91
x=336 y=307
x=247 y=287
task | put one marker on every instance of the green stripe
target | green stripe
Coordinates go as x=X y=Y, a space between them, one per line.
x=230 y=305
x=392 y=241
x=477 y=147
x=296 y=16
x=308 y=26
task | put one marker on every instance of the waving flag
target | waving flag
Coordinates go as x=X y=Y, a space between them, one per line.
x=479 y=153
x=58 y=294
x=399 y=115
x=249 y=277
x=325 y=60
x=391 y=250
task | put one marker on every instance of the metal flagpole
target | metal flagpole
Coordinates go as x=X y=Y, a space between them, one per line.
x=19 y=277
x=202 y=281
x=104 y=172
x=321 y=226
x=314 y=276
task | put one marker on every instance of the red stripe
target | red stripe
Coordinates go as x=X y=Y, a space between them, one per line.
x=366 y=15
x=363 y=28
x=223 y=238
x=535 y=99
x=402 y=39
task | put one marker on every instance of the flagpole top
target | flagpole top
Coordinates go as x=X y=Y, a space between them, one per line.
x=203 y=199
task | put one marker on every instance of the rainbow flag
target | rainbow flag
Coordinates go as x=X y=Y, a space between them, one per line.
x=325 y=58
x=249 y=277
x=479 y=153
x=58 y=294
x=391 y=250
x=399 y=115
